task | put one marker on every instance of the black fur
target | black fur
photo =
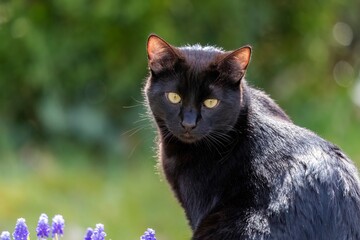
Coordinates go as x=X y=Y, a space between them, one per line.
x=247 y=172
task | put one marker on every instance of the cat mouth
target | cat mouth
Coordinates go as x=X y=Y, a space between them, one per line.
x=188 y=137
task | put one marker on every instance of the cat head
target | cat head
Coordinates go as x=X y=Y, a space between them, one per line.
x=194 y=92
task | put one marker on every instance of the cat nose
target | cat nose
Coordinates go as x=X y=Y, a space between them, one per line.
x=188 y=125
x=189 y=120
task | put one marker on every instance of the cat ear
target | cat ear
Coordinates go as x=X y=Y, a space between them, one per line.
x=235 y=63
x=161 y=55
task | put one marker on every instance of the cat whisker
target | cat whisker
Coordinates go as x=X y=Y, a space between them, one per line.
x=223 y=138
x=139 y=103
x=133 y=106
x=167 y=135
x=226 y=141
x=208 y=144
x=144 y=117
x=135 y=130
x=212 y=143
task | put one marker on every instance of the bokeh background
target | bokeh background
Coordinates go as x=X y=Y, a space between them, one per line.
x=74 y=136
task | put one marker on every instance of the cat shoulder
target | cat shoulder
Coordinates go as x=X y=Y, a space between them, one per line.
x=264 y=104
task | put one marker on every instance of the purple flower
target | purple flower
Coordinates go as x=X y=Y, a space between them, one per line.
x=98 y=233
x=149 y=234
x=5 y=236
x=88 y=235
x=21 y=231
x=58 y=225
x=43 y=228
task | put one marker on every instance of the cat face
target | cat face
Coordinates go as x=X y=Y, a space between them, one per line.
x=194 y=92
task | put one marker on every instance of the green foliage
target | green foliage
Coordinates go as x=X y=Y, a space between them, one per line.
x=71 y=74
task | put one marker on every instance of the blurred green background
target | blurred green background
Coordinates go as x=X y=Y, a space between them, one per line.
x=74 y=137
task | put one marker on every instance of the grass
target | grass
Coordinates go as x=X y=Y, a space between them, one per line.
x=126 y=199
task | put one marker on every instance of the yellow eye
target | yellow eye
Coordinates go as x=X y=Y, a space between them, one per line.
x=211 y=103
x=173 y=97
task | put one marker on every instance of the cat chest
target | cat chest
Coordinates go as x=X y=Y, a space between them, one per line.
x=198 y=194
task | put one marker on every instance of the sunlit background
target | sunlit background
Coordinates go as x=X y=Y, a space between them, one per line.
x=74 y=137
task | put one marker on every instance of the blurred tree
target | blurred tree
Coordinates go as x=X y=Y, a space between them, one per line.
x=68 y=68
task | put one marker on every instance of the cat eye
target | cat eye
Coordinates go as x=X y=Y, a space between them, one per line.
x=211 y=103
x=173 y=97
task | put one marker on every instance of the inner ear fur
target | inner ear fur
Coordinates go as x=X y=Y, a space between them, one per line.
x=161 y=55
x=235 y=63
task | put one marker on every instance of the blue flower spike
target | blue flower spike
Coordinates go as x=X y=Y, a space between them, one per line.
x=98 y=233
x=43 y=228
x=21 y=230
x=149 y=234
x=5 y=235
x=89 y=233
x=57 y=227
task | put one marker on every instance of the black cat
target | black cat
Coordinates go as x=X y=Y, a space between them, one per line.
x=237 y=164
